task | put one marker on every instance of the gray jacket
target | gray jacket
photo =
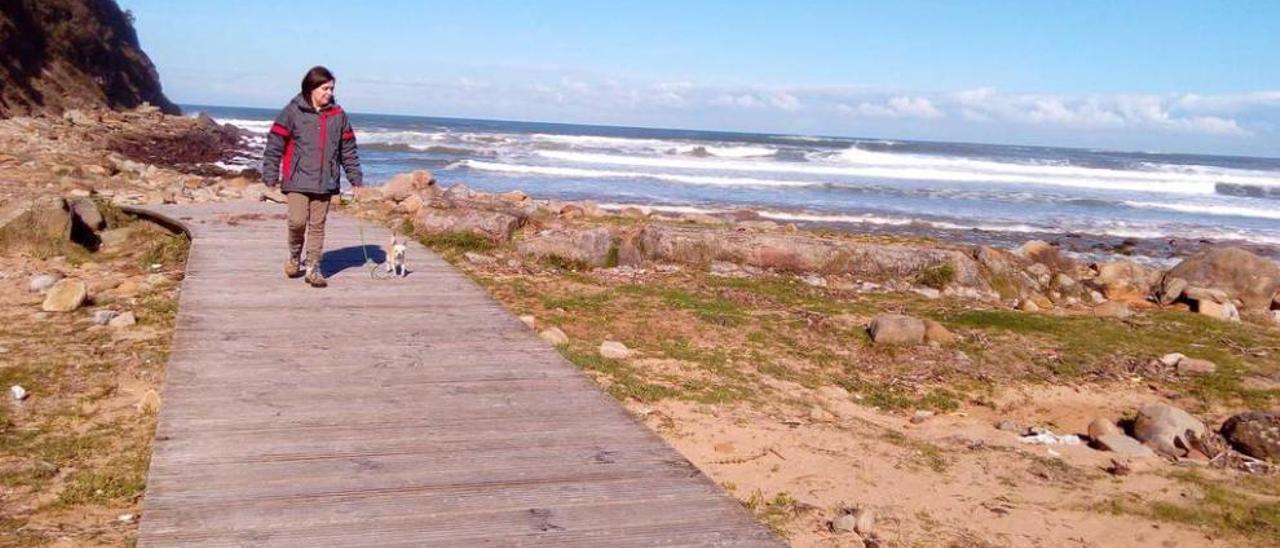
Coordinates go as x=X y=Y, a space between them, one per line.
x=306 y=147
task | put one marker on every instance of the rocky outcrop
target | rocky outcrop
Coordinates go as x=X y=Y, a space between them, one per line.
x=495 y=226
x=1223 y=276
x=592 y=246
x=57 y=55
x=801 y=253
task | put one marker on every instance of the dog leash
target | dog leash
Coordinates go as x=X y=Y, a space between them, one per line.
x=374 y=272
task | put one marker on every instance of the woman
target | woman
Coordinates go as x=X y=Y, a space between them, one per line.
x=310 y=139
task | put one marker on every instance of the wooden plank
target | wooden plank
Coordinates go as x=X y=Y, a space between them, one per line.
x=405 y=412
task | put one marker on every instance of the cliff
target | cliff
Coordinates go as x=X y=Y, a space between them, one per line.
x=72 y=54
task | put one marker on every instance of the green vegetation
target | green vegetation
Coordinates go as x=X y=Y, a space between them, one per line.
x=1232 y=509
x=938 y=276
x=774 y=511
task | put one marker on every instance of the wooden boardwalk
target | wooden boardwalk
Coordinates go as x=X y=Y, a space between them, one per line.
x=409 y=412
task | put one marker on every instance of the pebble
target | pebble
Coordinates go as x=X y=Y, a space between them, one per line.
x=844 y=523
x=123 y=320
x=42 y=282
x=18 y=392
x=614 y=350
x=104 y=316
x=528 y=320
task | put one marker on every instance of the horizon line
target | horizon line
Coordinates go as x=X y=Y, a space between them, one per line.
x=771 y=134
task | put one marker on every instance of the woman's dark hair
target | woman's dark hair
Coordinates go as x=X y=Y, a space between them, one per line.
x=315 y=78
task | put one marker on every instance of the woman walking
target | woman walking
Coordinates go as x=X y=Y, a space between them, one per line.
x=308 y=142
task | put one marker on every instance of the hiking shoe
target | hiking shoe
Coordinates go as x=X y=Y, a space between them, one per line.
x=315 y=279
x=293 y=267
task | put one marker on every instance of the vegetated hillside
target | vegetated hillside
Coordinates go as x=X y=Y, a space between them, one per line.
x=63 y=54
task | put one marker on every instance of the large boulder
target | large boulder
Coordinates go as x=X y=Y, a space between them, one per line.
x=493 y=225
x=1167 y=429
x=1244 y=276
x=404 y=184
x=801 y=253
x=1255 y=433
x=44 y=218
x=593 y=246
x=897 y=329
x=1124 y=281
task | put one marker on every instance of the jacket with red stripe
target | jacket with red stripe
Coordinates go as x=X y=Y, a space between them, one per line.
x=306 y=147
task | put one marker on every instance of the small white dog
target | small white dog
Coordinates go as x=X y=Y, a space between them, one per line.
x=395 y=257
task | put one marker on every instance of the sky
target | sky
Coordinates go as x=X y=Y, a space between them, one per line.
x=1166 y=76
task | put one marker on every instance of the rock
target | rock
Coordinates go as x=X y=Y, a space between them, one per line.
x=1124 y=281
x=529 y=321
x=515 y=197
x=403 y=185
x=554 y=336
x=1206 y=294
x=1218 y=311
x=844 y=523
x=800 y=253
x=124 y=320
x=1035 y=247
x=572 y=211
x=459 y=191
x=1123 y=445
x=1171 y=360
x=18 y=392
x=42 y=218
x=896 y=329
x=1275 y=317
x=150 y=402
x=936 y=332
x=497 y=227
x=1196 y=367
x=1103 y=427
x=127 y=518
x=1112 y=309
x=65 y=296
x=1028 y=305
x=42 y=282
x=1251 y=279
x=1064 y=281
x=866 y=522
x=87 y=213
x=1171 y=291
x=1167 y=429
x=411 y=204
x=102 y=317
x=596 y=247
x=1010 y=426
x=1255 y=433
x=614 y=350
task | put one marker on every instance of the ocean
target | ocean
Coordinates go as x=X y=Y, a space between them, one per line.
x=1155 y=206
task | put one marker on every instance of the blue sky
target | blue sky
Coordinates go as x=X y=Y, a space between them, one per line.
x=1162 y=76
